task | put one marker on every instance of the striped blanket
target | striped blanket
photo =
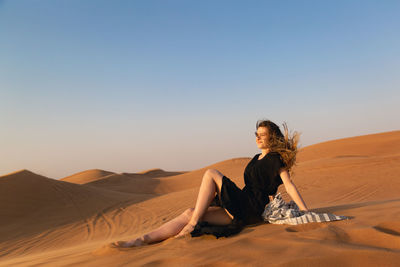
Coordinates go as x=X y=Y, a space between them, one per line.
x=280 y=212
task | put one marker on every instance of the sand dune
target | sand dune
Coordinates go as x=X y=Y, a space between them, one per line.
x=49 y=222
x=124 y=183
x=144 y=182
x=152 y=173
x=86 y=176
x=354 y=147
x=31 y=204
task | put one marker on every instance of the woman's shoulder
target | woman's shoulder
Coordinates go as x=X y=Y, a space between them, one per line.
x=278 y=158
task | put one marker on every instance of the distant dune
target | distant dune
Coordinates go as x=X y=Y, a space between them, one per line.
x=143 y=182
x=86 y=176
x=154 y=173
x=48 y=222
x=360 y=146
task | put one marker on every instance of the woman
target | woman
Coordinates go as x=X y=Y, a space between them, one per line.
x=262 y=176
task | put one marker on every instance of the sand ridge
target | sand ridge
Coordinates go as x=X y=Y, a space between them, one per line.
x=48 y=222
x=86 y=176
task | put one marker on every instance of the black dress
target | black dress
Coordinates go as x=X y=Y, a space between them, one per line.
x=261 y=179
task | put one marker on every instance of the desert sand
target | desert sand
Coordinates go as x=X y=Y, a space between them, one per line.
x=70 y=221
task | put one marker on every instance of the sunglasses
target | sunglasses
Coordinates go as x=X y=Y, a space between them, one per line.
x=260 y=135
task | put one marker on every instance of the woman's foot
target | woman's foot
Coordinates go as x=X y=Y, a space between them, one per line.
x=138 y=242
x=186 y=230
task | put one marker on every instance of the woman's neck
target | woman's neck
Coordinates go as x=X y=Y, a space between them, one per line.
x=264 y=152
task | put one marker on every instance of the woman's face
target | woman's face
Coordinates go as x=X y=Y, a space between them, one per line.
x=262 y=137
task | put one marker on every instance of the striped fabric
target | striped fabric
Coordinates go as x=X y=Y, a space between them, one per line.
x=280 y=212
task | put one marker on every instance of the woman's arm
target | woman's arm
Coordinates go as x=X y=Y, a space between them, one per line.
x=292 y=190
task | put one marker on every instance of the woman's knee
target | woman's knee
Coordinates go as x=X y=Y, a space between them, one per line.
x=213 y=173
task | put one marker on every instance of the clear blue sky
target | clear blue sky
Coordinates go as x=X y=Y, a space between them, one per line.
x=127 y=86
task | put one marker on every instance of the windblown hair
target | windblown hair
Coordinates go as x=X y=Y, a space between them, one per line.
x=285 y=144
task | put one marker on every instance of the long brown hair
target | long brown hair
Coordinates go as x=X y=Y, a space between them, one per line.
x=285 y=144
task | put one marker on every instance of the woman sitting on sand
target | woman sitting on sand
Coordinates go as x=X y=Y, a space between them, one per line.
x=262 y=176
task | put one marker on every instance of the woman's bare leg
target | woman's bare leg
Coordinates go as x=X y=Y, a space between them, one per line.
x=184 y=224
x=214 y=215
x=211 y=184
x=163 y=232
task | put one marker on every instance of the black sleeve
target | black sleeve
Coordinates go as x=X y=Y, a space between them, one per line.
x=281 y=162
